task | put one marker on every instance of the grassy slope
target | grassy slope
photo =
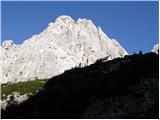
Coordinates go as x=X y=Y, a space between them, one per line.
x=29 y=87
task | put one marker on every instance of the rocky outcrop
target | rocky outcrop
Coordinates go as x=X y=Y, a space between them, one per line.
x=8 y=44
x=63 y=45
x=12 y=99
x=156 y=49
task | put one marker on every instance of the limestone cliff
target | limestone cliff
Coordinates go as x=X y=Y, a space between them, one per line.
x=63 y=45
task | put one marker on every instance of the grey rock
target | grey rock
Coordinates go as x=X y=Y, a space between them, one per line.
x=156 y=49
x=63 y=45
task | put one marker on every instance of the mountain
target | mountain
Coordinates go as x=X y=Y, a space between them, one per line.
x=63 y=45
x=121 y=88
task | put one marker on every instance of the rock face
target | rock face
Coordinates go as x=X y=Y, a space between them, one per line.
x=156 y=49
x=13 y=98
x=63 y=45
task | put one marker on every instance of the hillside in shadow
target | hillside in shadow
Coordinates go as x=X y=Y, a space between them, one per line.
x=122 y=88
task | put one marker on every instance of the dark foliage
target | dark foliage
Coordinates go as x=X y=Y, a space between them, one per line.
x=69 y=94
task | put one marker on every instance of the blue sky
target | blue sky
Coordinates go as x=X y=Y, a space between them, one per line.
x=133 y=24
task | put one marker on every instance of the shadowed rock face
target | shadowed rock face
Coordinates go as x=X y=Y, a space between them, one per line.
x=63 y=45
x=121 y=88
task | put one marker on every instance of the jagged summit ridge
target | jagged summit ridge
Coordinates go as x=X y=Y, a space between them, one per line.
x=63 y=45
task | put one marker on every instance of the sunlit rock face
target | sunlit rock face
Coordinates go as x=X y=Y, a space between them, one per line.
x=156 y=48
x=63 y=45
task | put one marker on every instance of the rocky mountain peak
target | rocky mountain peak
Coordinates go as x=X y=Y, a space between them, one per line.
x=64 y=19
x=63 y=45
